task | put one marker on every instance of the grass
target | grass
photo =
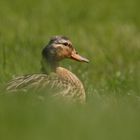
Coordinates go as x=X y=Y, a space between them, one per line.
x=107 y=33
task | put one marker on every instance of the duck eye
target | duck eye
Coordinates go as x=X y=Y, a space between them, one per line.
x=66 y=44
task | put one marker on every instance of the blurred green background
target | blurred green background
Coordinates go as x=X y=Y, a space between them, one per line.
x=107 y=32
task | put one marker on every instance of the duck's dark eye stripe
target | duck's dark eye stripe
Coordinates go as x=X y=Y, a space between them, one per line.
x=66 y=44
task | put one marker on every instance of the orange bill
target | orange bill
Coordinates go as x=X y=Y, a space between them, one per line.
x=77 y=57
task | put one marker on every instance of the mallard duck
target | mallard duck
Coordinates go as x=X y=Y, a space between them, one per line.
x=54 y=76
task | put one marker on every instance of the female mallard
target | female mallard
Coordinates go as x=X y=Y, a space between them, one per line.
x=54 y=76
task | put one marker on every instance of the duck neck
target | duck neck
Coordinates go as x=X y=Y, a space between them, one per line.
x=49 y=65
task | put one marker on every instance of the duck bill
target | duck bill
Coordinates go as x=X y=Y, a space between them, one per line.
x=77 y=57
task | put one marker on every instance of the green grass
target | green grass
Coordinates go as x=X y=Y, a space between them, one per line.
x=108 y=34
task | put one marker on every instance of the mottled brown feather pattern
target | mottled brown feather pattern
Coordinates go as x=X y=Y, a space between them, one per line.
x=67 y=83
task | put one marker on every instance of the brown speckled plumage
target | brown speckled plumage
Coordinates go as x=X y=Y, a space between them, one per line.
x=53 y=76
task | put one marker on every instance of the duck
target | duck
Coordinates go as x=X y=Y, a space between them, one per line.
x=53 y=76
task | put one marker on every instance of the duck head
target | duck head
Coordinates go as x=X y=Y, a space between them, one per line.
x=59 y=48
